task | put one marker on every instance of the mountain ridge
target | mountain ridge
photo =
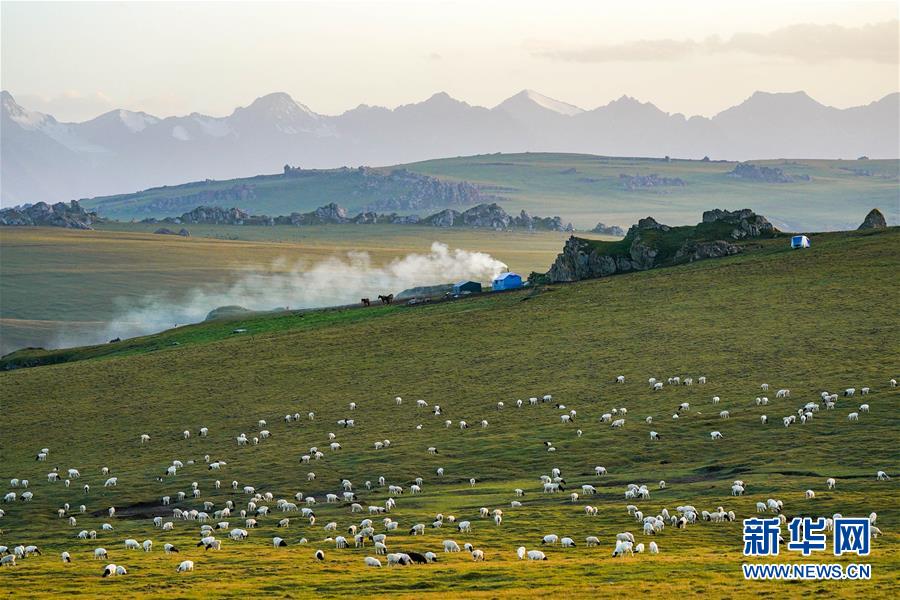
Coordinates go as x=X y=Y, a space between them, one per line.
x=123 y=150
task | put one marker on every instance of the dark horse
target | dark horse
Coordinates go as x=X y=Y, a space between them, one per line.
x=366 y=302
x=386 y=299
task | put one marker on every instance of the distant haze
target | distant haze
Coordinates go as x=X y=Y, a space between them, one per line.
x=77 y=60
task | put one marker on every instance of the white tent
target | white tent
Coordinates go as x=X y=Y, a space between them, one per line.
x=799 y=241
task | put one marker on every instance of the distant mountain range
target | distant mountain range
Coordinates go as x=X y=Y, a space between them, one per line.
x=122 y=151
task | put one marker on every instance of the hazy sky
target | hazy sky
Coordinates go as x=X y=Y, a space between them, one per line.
x=76 y=60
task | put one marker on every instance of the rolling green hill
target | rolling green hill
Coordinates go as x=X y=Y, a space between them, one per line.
x=583 y=189
x=811 y=320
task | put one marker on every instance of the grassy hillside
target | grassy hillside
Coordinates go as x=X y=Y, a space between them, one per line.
x=809 y=320
x=581 y=188
x=57 y=282
x=585 y=189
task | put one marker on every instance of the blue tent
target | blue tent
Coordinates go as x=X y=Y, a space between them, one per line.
x=470 y=287
x=507 y=281
x=799 y=241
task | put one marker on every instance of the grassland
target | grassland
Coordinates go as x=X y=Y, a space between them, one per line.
x=62 y=284
x=585 y=189
x=823 y=318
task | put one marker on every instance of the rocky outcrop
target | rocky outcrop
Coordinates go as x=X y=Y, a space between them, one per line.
x=604 y=229
x=407 y=191
x=166 y=231
x=242 y=194
x=636 y=182
x=874 y=220
x=70 y=215
x=445 y=218
x=746 y=223
x=216 y=215
x=702 y=250
x=485 y=216
x=650 y=244
x=751 y=172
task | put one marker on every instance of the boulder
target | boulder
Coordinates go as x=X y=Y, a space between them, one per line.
x=874 y=220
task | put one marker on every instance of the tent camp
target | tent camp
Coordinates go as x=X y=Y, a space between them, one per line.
x=507 y=281
x=467 y=287
x=799 y=241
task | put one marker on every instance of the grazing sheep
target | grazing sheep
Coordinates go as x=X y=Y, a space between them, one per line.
x=66 y=557
x=169 y=549
x=716 y=435
x=371 y=561
x=185 y=566
x=536 y=555
x=654 y=549
x=567 y=542
x=451 y=546
x=100 y=553
x=830 y=482
x=882 y=476
x=854 y=416
x=763 y=419
x=864 y=408
x=810 y=494
x=654 y=435
x=623 y=548
x=550 y=539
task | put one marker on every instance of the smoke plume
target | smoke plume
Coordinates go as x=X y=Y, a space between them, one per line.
x=330 y=282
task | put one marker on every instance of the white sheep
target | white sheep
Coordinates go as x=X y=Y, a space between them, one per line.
x=716 y=435
x=371 y=561
x=451 y=546
x=185 y=566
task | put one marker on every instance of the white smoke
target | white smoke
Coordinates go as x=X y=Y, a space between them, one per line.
x=330 y=282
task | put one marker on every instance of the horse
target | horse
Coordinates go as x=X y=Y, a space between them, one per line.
x=386 y=299
x=366 y=302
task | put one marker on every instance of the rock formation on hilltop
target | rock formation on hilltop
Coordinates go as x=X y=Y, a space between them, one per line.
x=874 y=220
x=751 y=172
x=605 y=229
x=70 y=215
x=650 y=244
x=636 y=182
x=746 y=222
x=483 y=216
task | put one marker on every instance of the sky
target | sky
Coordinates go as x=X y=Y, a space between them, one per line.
x=77 y=60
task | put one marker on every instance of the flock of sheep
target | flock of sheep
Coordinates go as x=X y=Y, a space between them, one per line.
x=253 y=508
